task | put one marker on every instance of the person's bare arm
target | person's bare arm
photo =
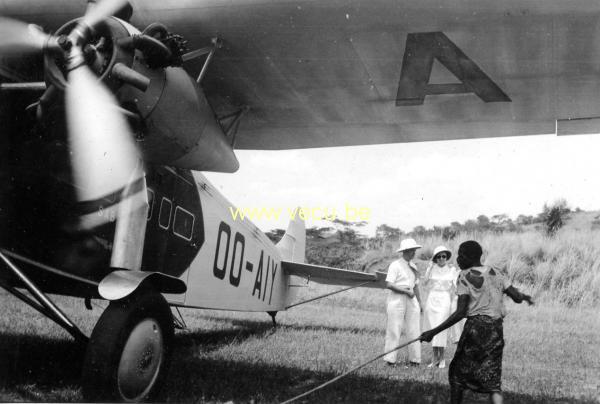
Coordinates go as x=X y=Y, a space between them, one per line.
x=517 y=296
x=459 y=314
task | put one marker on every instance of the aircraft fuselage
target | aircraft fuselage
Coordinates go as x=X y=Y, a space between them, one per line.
x=190 y=234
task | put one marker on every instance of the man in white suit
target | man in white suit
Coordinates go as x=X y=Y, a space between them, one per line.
x=403 y=304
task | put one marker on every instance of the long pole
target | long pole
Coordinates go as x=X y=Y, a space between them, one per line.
x=335 y=379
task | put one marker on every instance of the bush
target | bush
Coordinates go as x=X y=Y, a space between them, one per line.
x=554 y=216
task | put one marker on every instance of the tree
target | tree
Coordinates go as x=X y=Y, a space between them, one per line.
x=525 y=220
x=318 y=232
x=456 y=226
x=511 y=226
x=349 y=236
x=555 y=215
x=500 y=222
x=386 y=232
x=449 y=233
x=437 y=230
x=419 y=230
x=275 y=234
x=500 y=219
x=483 y=222
x=470 y=225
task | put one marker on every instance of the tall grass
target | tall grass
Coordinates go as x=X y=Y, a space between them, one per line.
x=565 y=267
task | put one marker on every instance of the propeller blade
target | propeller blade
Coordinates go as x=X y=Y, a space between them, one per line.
x=104 y=155
x=101 y=10
x=17 y=37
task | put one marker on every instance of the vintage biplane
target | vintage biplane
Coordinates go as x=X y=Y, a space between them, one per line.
x=110 y=110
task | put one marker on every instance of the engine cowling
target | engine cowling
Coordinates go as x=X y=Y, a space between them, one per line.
x=173 y=123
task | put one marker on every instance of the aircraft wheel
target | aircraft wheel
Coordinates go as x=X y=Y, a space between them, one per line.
x=127 y=356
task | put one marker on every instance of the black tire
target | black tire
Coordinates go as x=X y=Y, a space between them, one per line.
x=128 y=353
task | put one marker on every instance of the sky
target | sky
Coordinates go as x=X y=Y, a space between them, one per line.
x=409 y=184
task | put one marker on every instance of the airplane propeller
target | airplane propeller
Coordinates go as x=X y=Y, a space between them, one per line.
x=101 y=10
x=18 y=38
x=104 y=155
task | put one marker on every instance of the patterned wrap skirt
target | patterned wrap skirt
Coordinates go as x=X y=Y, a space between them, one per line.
x=477 y=363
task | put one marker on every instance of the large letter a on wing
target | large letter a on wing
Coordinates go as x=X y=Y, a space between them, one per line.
x=421 y=50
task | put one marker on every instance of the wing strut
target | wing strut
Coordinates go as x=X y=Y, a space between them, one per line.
x=231 y=129
x=209 y=51
x=41 y=302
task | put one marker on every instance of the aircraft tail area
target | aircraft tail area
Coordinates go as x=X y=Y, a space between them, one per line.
x=334 y=276
x=293 y=243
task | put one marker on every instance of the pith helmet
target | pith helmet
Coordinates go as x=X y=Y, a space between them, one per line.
x=408 y=244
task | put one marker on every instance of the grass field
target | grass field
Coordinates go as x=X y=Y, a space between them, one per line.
x=552 y=355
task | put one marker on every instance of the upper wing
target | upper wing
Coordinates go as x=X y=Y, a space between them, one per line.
x=333 y=276
x=335 y=73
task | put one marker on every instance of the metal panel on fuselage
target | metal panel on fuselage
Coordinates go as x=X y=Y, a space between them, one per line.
x=175 y=229
x=238 y=267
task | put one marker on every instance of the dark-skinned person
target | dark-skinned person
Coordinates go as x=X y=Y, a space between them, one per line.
x=477 y=363
x=403 y=304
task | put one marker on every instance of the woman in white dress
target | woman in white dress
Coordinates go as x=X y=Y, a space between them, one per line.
x=440 y=282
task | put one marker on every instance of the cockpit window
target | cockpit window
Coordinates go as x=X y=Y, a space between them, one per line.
x=164 y=217
x=183 y=223
x=150 y=203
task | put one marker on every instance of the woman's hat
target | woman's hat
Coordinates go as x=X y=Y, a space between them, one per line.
x=440 y=249
x=408 y=244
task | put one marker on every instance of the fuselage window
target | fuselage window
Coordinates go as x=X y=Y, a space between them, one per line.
x=164 y=217
x=150 y=203
x=183 y=223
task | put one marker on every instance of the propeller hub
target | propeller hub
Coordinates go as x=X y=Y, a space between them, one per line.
x=98 y=49
x=81 y=34
x=64 y=43
x=75 y=58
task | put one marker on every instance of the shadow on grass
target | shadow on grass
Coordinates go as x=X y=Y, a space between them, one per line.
x=209 y=340
x=208 y=380
x=200 y=379
x=295 y=327
x=33 y=364
x=39 y=368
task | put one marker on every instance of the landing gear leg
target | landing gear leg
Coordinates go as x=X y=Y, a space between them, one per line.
x=273 y=314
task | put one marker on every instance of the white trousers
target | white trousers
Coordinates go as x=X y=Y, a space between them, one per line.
x=403 y=314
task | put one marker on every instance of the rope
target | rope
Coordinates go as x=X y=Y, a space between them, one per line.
x=335 y=379
x=328 y=294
